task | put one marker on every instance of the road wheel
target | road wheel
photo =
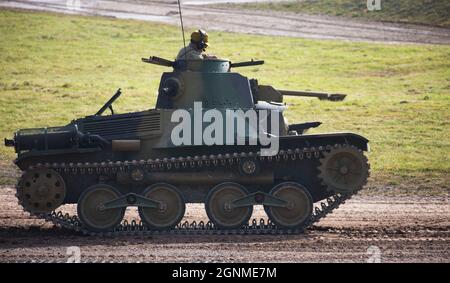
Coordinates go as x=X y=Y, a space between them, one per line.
x=298 y=210
x=171 y=209
x=219 y=209
x=92 y=213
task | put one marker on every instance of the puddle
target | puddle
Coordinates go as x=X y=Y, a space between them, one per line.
x=204 y=2
x=136 y=16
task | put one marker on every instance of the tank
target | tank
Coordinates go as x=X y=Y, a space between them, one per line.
x=161 y=159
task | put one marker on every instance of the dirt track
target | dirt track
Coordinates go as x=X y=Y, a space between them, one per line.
x=399 y=229
x=254 y=22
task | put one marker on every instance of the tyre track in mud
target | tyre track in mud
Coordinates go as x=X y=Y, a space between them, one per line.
x=402 y=229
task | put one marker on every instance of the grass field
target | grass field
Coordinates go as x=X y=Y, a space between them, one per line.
x=55 y=68
x=429 y=12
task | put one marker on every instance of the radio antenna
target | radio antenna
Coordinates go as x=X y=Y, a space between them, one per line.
x=182 y=28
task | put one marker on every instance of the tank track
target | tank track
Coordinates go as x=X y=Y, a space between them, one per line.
x=137 y=228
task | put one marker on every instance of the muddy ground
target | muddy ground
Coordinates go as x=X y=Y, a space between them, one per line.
x=384 y=228
x=195 y=15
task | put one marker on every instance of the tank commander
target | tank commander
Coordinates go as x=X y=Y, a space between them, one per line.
x=196 y=48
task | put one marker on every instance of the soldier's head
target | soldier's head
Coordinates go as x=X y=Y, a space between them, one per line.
x=200 y=39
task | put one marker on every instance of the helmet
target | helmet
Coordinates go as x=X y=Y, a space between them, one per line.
x=200 y=38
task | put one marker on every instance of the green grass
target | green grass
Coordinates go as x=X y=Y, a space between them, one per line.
x=55 y=68
x=429 y=12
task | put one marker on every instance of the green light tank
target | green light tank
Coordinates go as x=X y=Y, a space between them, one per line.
x=105 y=163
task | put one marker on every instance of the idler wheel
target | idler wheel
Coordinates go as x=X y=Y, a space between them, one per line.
x=92 y=212
x=299 y=205
x=344 y=169
x=170 y=211
x=219 y=206
x=41 y=190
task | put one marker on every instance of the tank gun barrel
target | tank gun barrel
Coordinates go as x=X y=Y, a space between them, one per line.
x=247 y=63
x=320 y=95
